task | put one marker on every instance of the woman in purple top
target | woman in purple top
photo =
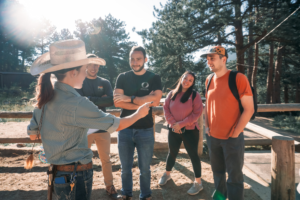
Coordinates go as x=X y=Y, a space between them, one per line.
x=182 y=108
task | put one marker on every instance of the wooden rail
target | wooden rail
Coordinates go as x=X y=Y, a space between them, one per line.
x=159 y=110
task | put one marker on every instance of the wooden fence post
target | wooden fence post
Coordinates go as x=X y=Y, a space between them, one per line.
x=200 y=142
x=283 y=168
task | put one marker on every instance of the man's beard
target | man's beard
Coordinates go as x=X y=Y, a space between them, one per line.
x=140 y=69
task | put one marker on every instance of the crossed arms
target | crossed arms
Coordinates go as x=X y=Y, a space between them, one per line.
x=123 y=101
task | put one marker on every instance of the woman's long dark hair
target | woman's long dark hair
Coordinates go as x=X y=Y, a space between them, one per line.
x=178 y=88
x=44 y=88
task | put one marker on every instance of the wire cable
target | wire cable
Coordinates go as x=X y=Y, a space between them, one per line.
x=278 y=25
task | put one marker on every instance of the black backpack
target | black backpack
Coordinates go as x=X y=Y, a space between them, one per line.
x=234 y=90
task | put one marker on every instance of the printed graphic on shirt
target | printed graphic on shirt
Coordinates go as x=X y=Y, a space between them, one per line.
x=145 y=86
x=139 y=86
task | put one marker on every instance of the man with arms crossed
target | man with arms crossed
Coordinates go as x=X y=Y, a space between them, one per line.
x=99 y=91
x=134 y=88
x=225 y=124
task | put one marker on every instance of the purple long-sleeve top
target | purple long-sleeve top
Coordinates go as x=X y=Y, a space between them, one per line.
x=186 y=114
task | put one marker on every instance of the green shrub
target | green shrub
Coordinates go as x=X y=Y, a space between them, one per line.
x=290 y=123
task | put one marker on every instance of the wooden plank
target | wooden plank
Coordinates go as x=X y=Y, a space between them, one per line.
x=159 y=110
x=114 y=140
x=263 y=131
x=257 y=141
x=156 y=111
x=278 y=107
x=157 y=145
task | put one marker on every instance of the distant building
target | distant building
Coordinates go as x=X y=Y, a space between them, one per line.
x=19 y=79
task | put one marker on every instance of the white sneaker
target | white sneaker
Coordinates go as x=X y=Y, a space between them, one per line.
x=195 y=189
x=164 y=179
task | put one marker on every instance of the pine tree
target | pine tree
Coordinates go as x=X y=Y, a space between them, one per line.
x=107 y=39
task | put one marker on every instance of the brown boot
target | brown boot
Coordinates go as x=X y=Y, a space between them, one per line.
x=112 y=193
x=126 y=197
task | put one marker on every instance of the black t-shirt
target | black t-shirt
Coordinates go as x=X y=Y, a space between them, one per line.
x=94 y=89
x=139 y=86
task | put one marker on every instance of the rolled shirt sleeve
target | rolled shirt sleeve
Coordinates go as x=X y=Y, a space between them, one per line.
x=33 y=127
x=87 y=115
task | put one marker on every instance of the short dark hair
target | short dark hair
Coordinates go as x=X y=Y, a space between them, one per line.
x=221 y=56
x=138 y=48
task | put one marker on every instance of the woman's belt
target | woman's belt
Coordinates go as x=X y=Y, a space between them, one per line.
x=70 y=168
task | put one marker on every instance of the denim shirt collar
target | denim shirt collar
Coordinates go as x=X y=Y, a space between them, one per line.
x=66 y=88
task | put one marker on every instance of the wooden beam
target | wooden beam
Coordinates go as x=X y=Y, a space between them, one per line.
x=114 y=140
x=159 y=110
x=157 y=145
x=257 y=141
x=263 y=131
x=278 y=107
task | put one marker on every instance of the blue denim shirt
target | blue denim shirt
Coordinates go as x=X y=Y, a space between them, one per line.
x=67 y=117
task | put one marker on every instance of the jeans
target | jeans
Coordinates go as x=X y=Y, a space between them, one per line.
x=143 y=141
x=228 y=155
x=82 y=189
x=190 y=139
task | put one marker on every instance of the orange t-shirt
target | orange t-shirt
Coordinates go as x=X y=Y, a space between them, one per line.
x=222 y=107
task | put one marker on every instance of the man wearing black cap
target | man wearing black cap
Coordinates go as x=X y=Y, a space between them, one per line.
x=225 y=124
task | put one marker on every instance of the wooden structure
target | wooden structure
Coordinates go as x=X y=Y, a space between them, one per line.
x=20 y=79
x=159 y=111
x=283 y=148
x=283 y=168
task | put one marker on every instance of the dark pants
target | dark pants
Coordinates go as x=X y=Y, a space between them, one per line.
x=82 y=189
x=228 y=155
x=190 y=140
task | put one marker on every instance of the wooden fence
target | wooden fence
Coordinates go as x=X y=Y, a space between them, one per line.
x=283 y=148
x=159 y=111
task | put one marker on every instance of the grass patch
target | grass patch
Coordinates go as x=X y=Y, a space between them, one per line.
x=15 y=99
x=288 y=123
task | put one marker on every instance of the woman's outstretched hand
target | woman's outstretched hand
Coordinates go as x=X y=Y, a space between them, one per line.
x=144 y=110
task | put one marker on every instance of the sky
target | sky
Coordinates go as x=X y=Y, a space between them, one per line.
x=63 y=13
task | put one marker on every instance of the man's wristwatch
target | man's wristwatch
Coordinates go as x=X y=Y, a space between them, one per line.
x=132 y=98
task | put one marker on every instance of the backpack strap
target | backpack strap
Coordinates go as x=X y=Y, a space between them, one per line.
x=233 y=88
x=209 y=80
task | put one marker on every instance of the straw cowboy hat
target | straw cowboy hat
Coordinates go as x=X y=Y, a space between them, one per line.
x=62 y=55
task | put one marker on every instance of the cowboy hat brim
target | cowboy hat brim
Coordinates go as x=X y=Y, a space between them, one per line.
x=43 y=64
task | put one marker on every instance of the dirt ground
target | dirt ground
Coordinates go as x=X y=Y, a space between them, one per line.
x=18 y=183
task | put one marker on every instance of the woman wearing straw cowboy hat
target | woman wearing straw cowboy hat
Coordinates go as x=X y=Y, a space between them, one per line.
x=62 y=118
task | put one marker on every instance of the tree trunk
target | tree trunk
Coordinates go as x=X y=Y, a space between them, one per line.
x=23 y=60
x=286 y=93
x=278 y=64
x=250 y=39
x=270 y=75
x=239 y=37
x=219 y=39
x=297 y=99
x=254 y=78
x=180 y=62
x=250 y=54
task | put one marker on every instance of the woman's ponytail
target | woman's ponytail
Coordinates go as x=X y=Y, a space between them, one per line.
x=44 y=90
